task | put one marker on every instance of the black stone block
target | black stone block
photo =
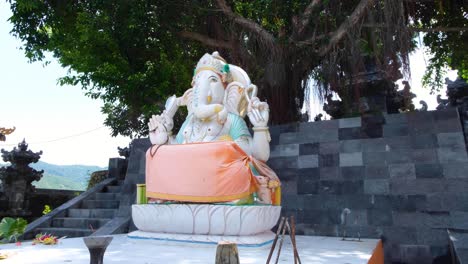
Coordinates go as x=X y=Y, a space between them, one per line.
x=286 y=174
x=378 y=217
x=376 y=172
x=398 y=143
x=309 y=173
x=330 y=173
x=424 y=156
x=305 y=185
x=288 y=128
x=374 y=158
x=290 y=202
x=348 y=146
x=329 y=160
x=398 y=156
x=352 y=173
x=423 y=141
x=283 y=163
x=445 y=114
x=373 y=145
x=349 y=133
x=357 y=201
x=395 y=130
x=289 y=187
x=399 y=235
x=353 y=187
x=417 y=186
x=428 y=171
x=331 y=187
x=329 y=147
x=308 y=148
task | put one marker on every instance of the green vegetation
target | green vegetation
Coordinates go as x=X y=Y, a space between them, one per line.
x=133 y=54
x=46 y=210
x=11 y=229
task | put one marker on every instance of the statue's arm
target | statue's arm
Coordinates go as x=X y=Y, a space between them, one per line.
x=258 y=113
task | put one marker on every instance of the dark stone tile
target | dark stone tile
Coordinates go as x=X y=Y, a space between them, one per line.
x=395 y=130
x=286 y=174
x=428 y=171
x=459 y=220
x=331 y=187
x=448 y=125
x=310 y=173
x=349 y=133
x=373 y=145
x=353 y=187
x=283 y=163
x=398 y=156
x=289 y=187
x=395 y=119
x=424 y=156
x=408 y=219
x=328 y=160
x=290 y=202
x=307 y=185
x=330 y=173
x=445 y=114
x=347 y=146
x=328 y=136
x=445 y=202
x=376 y=172
x=352 y=173
x=308 y=161
x=408 y=203
x=376 y=186
x=402 y=171
x=418 y=186
x=457 y=185
x=432 y=237
x=351 y=159
x=309 y=148
x=423 y=141
x=374 y=158
x=452 y=154
x=378 y=217
x=329 y=147
x=400 y=235
x=397 y=143
x=420 y=123
x=357 y=201
x=454 y=139
x=349 y=122
x=285 y=128
x=455 y=170
x=287 y=150
x=415 y=254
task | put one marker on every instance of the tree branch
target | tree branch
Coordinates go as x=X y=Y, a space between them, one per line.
x=305 y=18
x=418 y=29
x=353 y=19
x=205 y=40
x=245 y=23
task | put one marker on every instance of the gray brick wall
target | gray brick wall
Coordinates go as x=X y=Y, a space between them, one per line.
x=406 y=183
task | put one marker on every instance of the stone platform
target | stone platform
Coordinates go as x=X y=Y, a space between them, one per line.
x=312 y=250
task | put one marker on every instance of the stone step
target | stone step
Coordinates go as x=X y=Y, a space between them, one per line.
x=101 y=204
x=91 y=213
x=69 y=222
x=114 y=189
x=106 y=196
x=68 y=232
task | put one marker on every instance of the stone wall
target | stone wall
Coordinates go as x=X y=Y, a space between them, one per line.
x=405 y=181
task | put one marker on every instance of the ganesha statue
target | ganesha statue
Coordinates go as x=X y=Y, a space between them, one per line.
x=213 y=169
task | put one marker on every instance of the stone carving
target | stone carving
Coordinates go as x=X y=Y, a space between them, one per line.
x=423 y=106
x=5 y=131
x=457 y=91
x=17 y=178
x=405 y=97
x=333 y=107
x=318 y=117
x=220 y=98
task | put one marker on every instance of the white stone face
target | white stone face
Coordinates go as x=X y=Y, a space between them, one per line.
x=205 y=219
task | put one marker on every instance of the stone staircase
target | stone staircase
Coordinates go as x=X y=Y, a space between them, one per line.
x=86 y=216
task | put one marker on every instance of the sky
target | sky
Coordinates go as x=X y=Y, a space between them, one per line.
x=43 y=111
x=68 y=126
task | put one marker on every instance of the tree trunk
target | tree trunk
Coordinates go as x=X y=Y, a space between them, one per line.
x=281 y=88
x=226 y=253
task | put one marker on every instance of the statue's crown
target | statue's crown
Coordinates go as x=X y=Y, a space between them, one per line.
x=214 y=62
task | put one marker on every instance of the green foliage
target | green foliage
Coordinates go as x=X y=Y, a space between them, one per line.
x=446 y=49
x=119 y=51
x=46 y=210
x=11 y=229
x=96 y=177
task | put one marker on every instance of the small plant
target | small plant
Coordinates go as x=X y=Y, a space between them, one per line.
x=46 y=210
x=11 y=229
x=45 y=239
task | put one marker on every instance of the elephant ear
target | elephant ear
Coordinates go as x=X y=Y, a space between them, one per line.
x=186 y=100
x=234 y=101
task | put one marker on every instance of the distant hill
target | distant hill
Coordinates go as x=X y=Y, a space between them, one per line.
x=65 y=177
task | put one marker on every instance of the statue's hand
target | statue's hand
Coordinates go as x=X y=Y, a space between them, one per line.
x=159 y=128
x=258 y=112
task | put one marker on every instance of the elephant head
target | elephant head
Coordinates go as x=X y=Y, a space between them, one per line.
x=217 y=88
